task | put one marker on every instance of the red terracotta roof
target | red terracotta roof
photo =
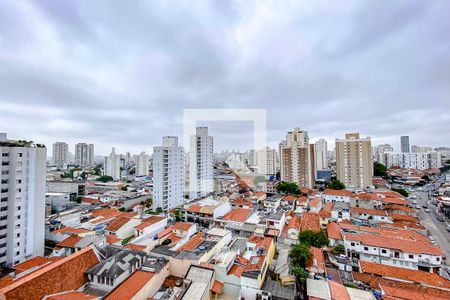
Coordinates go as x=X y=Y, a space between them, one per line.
x=334 y=231
x=398 y=201
x=238 y=215
x=117 y=223
x=217 y=286
x=392 y=293
x=325 y=212
x=184 y=226
x=390 y=194
x=131 y=286
x=374 y=212
x=192 y=243
x=310 y=221
x=317 y=259
x=236 y=270
x=395 y=207
x=48 y=279
x=148 y=222
x=407 y=246
x=343 y=193
x=414 y=276
x=315 y=202
x=338 y=291
x=260 y=241
x=70 y=242
x=111 y=239
x=294 y=223
x=70 y=230
x=32 y=263
x=254 y=263
x=73 y=295
x=135 y=247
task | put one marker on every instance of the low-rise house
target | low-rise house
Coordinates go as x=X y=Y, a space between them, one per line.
x=310 y=221
x=122 y=227
x=275 y=222
x=117 y=265
x=365 y=200
x=151 y=225
x=400 y=209
x=63 y=233
x=325 y=214
x=316 y=264
x=340 y=211
x=315 y=205
x=336 y=195
x=393 y=251
x=291 y=231
x=205 y=211
x=334 y=234
x=370 y=215
x=273 y=202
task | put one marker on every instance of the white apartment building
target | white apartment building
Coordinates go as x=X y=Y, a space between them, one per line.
x=380 y=150
x=168 y=174
x=112 y=165
x=60 y=155
x=142 y=164
x=321 y=155
x=22 y=200
x=201 y=171
x=416 y=161
x=354 y=165
x=84 y=154
x=295 y=158
x=266 y=161
x=418 y=149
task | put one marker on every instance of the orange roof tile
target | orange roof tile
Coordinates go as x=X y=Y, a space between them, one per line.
x=334 y=231
x=289 y=198
x=117 y=223
x=148 y=222
x=338 y=291
x=294 y=223
x=407 y=246
x=260 y=241
x=414 y=276
x=254 y=263
x=400 y=208
x=317 y=259
x=106 y=213
x=73 y=295
x=32 y=263
x=315 y=202
x=398 y=201
x=366 y=211
x=390 y=194
x=399 y=217
x=236 y=270
x=135 y=247
x=184 y=226
x=343 y=193
x=6 y=280
x=47 y=280
x=131 y=286
x=238 y=215
x=111 y=239
x=310 y=221
x=69 y=242
x=217 y=286
x=325 y=212
x=192 y=243
x=397 y=293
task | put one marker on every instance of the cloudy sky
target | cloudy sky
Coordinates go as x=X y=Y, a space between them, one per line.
x=115 y=74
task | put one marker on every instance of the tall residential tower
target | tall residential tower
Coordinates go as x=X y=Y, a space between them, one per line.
x=201 y=171
x=60 y=155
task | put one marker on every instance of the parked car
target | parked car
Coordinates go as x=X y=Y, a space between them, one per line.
x=427 y=210
x=424 y=206
x=448 y=228
x=440 y=218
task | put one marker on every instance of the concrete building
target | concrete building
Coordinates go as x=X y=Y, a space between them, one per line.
x=201 y=172
x=295 y=158
x=380 y=150
x=321 y=155
x=168 y=174
x=112 y=165
x=266 y=161
x=60 y=155
x=142 y=164
x=416 y=161
x=84 y=154
x=354 y=165
x=404 y=144
x=418 y=149
x=22 y=196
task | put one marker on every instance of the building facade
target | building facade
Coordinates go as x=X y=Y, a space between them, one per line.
x=404 y=144
x=201 y=171
x=84 y=154
x=354 y=165
x=321 y=155
x=60 y=155
x=168 y=174
x=22 y=196
x=415 y=161
x=142 y=164
x=112 y=165
x=295 y=158
x=266 y=161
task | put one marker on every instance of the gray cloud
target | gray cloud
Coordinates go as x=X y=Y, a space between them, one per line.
x=120 y=75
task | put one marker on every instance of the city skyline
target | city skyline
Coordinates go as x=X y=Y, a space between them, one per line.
x=125 y=84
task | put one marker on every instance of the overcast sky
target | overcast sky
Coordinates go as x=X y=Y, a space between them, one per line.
x=116 y=74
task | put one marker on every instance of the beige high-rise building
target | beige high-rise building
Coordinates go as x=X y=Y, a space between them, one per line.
x=354 y=165
x=295 y=158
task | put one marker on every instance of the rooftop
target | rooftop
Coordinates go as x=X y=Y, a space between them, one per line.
x=129 y=288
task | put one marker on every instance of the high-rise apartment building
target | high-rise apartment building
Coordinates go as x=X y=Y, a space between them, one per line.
x=379 y=152
x=201 y=171
x=418 y=149
x=22 y=200
x=142 y=164
x=84 y=154
x=404 y=144
x=168 y=174
x=354 y=165
x=321 y=155
x=112 y=165
x=266 y=161
x=295 y=158
x=60 y=155
x=415 y=161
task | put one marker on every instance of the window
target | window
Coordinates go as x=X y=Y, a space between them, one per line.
x=383 y=251
x=353 y=244
x=4 y=208
x=4 y=199
x=366 y=248
x=411 y=256
x=5 y=154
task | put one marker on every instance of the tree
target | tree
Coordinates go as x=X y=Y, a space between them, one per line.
x=313 y=238
x=147 y=203
x=339 y=249
x=379 y=169
x=288 y=188
x=124 y=188
x=300 y=254
x=402 y=192
x=336 y=185
x=105 y=178
x=300 y=273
